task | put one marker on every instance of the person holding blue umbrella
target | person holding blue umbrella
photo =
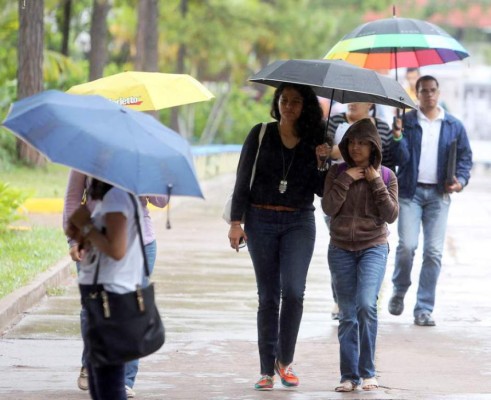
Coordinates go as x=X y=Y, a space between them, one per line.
x=109 y=236
x=130 y=149
x=76 y=193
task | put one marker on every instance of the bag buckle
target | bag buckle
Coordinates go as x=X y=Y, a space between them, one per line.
x=139 y=298
x=105 y=304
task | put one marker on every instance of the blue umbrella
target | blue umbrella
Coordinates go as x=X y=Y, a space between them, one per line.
x=126 y=148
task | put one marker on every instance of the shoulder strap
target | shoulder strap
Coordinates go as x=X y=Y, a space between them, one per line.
x=140 y=235
x=342 y=167
x=261 y=135
x=145 y=262
x=386 y=175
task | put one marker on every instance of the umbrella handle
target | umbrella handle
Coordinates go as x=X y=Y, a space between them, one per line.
x=169 y=190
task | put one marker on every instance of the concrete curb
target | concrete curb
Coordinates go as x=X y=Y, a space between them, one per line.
x=15 y=304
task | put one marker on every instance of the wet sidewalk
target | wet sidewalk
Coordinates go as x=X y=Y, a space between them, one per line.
x=207 y=296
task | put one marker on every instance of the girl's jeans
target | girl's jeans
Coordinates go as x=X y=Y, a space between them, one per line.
x=357 y=278
x=281 y=244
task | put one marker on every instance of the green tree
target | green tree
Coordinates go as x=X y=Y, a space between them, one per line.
x=30 y=61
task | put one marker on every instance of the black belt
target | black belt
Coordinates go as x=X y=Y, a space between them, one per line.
x=427 y=185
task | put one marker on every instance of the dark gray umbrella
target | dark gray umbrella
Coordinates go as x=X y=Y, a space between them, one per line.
x=336 y=80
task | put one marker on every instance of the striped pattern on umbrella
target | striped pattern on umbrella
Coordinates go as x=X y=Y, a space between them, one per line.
x=416 y=43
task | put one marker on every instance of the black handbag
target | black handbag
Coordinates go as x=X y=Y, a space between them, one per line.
x=123 y=327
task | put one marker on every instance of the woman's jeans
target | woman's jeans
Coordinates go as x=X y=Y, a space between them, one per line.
x=428 y=208
x=105 y=383
x=131 y=367
x=357 y=277
x=281 y=244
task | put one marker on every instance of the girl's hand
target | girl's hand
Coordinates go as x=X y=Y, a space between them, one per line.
x=371 y=173
x=356 y=173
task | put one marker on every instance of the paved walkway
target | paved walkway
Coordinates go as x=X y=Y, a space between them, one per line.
x=207 y=296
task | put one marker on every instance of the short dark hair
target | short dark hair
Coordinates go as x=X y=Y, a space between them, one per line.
x=311 y=118
x=412 y=69
x=425 y=78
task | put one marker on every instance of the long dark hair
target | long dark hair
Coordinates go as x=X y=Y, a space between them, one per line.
x=98 y=189
x=309 y=124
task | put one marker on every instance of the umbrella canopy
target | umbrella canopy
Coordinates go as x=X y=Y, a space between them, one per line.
x=145 y=91
x=126 y=148
x=397 y=42
x=337 y=80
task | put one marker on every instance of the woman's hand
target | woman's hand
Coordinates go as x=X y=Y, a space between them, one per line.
x=236 y=235
x=371 y=173
x=80 y=217
x=76 y=253
x=397 y=127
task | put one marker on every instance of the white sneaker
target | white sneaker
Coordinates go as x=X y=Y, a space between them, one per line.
x=83 y=379
x=130 y=393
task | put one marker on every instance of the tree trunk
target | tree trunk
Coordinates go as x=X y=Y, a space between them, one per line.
x=98 y=39
x=151 y=63
x=223 y=93
x=181 y=56
x=30 y=61
x=147 y=36
x=65 y=28
x=141 y=35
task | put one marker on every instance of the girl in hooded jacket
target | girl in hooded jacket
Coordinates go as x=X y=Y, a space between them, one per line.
x=360 y=205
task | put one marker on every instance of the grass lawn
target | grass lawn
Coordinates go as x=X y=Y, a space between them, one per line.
x=26 y=253
x=48 y=181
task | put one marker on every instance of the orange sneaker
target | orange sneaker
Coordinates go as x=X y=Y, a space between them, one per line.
x=266 y=382
x=288 y=377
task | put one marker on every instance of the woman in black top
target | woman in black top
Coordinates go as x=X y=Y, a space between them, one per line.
x=279 y=220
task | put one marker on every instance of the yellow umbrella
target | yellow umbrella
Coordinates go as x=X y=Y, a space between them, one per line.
x=145 y=91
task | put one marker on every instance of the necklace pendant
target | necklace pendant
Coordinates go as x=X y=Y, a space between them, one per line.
x=282 y=187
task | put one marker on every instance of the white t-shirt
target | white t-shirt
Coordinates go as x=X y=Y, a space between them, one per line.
x=428 y=162
x=117 y=276
x=338 y=136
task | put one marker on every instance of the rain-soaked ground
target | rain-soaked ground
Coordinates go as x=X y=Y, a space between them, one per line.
x=207 y=296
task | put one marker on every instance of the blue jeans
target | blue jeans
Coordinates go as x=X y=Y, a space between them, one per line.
x=429 y=209
x=106 y=383
x=281 y=245
x=357 y=277
x=131 y=367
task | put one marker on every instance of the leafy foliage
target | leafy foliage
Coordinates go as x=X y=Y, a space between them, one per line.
x=224 y=43
x=7 y=149
x=10 y=201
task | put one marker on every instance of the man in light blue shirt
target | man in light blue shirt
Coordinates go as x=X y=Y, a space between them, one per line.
x=421 y=152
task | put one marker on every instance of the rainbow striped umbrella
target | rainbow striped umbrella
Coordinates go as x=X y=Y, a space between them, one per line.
x=397 y=42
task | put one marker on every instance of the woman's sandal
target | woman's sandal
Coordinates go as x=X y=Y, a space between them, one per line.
x=369 y=384
x=346 y=386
